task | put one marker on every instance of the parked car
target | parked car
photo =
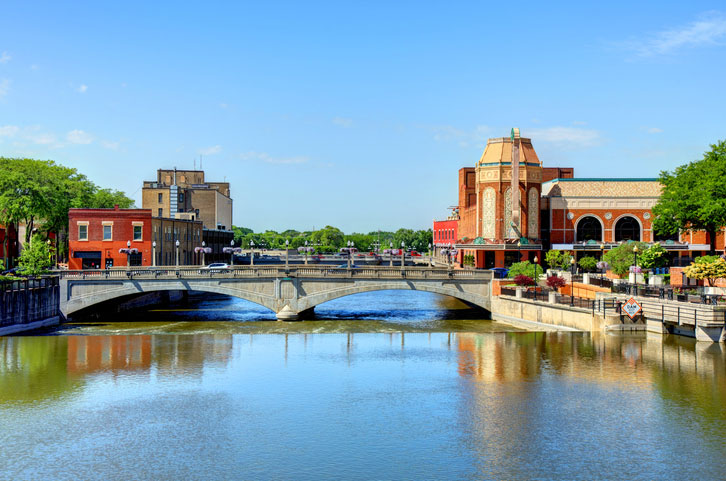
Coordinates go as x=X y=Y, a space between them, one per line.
x=415 y=254
x=216 y=266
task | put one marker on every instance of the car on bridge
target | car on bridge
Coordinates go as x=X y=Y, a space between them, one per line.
x=215 y=267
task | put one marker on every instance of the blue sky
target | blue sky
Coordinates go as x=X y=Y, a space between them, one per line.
x=357 y=115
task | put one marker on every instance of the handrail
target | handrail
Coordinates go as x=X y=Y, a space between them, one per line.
x=196 y=272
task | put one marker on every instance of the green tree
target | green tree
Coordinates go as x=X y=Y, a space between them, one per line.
x=558 y=259
x=709 y=268
x=694 y=196
x=524 y=268
x=35 y=259
x=588 y=264
x=622 y=257
x=654 y=256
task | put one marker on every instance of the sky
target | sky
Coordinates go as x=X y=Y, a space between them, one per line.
x=356 y=114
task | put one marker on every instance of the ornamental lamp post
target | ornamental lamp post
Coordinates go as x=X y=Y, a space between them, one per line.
x=602 y=259
x=128 y=254
x=306 y=252
x=231 y=253
x=287 y=254
x=536 y=260
x=519 y=251
x=177 y=253
x=572 y=281
x=204 y=245
x=429 y=254
x=635 y=268
x=403 y=246
x=153 y=254
x=390 y=254
x=252 y=253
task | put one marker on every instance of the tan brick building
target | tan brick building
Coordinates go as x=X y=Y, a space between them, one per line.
x=186 y=194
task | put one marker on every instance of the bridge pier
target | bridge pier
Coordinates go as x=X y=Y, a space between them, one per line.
x=288 y=314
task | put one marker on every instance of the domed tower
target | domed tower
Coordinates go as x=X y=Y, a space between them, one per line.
x=508 y=187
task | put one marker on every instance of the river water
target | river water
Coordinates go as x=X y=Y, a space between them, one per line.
x=388 y=385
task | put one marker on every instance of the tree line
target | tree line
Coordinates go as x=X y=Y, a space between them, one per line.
x=331 y=239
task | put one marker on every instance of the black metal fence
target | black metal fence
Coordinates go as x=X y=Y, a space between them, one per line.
x=28 y=300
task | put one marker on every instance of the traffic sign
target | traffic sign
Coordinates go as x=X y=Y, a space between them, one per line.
x=632 y=308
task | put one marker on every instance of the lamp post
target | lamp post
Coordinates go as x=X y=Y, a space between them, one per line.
x=287 y=254
x=348 y=251
x=429 y=254
x=252 y=253
x=390 y=254
x=128 y=254
x=536 y=260
x=50 y=252
x=306 y=252
x=519 y=251
x=204 y=245
x=635 y=265
x=403 y=246
x=153 y=254
x=231 y=254
x=602 y=259
x=572 y=281
x=177 y=253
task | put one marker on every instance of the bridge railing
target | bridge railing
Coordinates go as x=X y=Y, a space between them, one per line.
x=197 y=272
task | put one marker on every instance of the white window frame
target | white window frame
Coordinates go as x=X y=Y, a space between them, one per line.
x=103 y=231
x=140 y=225
x=82 y=224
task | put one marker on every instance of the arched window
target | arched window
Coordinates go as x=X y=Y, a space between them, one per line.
x=627 y=228
x=589 y=228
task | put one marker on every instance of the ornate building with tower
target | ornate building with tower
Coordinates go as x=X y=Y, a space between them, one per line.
x=513 y=208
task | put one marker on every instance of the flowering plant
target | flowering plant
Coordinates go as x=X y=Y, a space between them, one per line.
x=636 y=269
x=603 y=266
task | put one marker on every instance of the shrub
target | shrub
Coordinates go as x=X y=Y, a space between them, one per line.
x=524 y=268
x=588 y=264
x=556 y=282
x=522 y=280
x=621 y=258
x=654 y=256
x=558 y=259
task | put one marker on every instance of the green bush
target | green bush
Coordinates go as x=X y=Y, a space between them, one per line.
x=524 y=268
x=654 y=256
x=589 y=264
x=621 y=258
x=558 y=259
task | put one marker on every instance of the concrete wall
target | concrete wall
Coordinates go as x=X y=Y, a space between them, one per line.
x=29 y=304
x=548 y=316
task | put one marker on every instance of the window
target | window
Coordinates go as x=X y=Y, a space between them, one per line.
x=161 y=197
x=107 y=232
x=83 y=232
x=138 y=232
x=161 y=211
x=181 y=197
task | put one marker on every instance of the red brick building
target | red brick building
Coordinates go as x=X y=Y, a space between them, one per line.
x=97 y=235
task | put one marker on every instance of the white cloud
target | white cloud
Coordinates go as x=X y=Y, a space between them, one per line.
x=710 y=29
x=5 y=57
x=265 y=157
x=42 y=138
x=579 y=122
x=571 y=136
x=343 y=122
x=654 y=130
x=210 y=150
x=79 y=137
x=4 y=87
x=34 y=67
x=108 y=144
x=222 y=105
x=9 y=131
x=82 y=89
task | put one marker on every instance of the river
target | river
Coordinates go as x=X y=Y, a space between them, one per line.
x=391 y=385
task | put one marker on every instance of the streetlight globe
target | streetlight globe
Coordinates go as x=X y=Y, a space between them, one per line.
x=252 y=243
x=153 y=244
x=536 y=260
x=635 y=249
x=231 y=242
x=602 y=247
x=204 y=244
x=177 y=242
x=572 y=260
x=287 y=242
x=128 y=244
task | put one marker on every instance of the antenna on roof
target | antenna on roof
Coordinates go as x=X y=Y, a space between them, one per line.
x=200 y=161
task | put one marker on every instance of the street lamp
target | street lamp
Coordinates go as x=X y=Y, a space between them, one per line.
x=153 y=254
x=204 y=248
x=572 y=281
x=403 y=246
x=306 y=252
x=602 y=259
x=519 y=251
x=128 y=254
x=231 y=254
x=429 y=254
x=287 y=254
x=635 y=265
x=177 y=253
x=536 y=260
x=252 y=253
x=390 y=254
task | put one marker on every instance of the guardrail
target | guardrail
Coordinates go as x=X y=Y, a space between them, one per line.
x=28 y=300
x=196 y=272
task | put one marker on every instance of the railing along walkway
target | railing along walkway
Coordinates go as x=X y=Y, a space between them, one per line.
x=197 y=272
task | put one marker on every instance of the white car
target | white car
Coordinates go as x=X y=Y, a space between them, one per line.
x=217 y=266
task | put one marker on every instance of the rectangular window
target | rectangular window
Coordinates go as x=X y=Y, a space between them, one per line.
x=107 y=232
x=137 y=232
x=181 y=198
x=161 y=211
x=161 y=197
x=82 y=232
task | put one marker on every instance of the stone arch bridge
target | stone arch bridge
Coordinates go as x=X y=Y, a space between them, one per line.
x=292 y=293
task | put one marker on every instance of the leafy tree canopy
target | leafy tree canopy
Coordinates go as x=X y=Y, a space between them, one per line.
x=558 y=259
x=709 y=268
x=654 y=256
x=694 y=196
x=35 y=259
x=622 y=257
